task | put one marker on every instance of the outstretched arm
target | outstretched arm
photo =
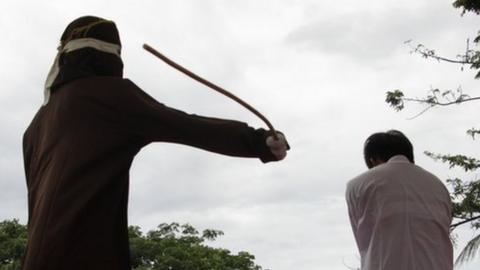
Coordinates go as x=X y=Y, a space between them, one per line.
x=150 y=121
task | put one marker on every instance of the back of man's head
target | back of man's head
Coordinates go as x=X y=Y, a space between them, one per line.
x=381 y=146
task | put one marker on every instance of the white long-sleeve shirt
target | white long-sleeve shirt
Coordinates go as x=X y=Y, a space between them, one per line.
x=400 y=216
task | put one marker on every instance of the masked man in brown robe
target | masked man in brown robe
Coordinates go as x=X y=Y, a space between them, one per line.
x=80 y=145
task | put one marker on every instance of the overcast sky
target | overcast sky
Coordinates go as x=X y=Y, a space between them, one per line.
x=317 y=69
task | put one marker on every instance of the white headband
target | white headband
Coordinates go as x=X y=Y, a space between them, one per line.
x=74 y=45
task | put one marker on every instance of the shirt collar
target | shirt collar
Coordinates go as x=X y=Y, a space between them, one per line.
x=398 y=159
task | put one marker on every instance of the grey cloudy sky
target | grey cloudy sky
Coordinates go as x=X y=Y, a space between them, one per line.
x=318 y=70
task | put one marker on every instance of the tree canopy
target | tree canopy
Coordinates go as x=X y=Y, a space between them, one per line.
x=13 y=239
x=168 y=247
x=468 y=5
x=181 y=247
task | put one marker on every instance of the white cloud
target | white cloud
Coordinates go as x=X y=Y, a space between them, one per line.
x=368 y=35
x=317 y=69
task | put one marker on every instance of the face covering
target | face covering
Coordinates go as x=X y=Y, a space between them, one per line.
x=74 y=45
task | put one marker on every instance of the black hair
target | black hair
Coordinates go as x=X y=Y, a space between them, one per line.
x=384 y=145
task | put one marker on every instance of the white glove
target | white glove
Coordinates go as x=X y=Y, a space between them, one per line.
x=278 y=147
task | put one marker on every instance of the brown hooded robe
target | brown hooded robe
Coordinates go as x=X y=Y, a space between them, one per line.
x=78 y=151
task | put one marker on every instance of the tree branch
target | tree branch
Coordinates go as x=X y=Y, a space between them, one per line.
x=439 y=58
x=454 y=226
x=420 y=113
x=396 y=99
x=441 y=103
x=465 y=59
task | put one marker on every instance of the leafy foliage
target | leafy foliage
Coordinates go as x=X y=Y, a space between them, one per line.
x=469 y=251
x=181 y=247
x=466 y=163
x=465 y=194
x=13 y=239
x=395 y=99
x=473 y=132
x=466 y=199
x=468 y=5
x=169 y=247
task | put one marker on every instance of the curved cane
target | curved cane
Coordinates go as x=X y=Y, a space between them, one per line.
x=212 y=86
